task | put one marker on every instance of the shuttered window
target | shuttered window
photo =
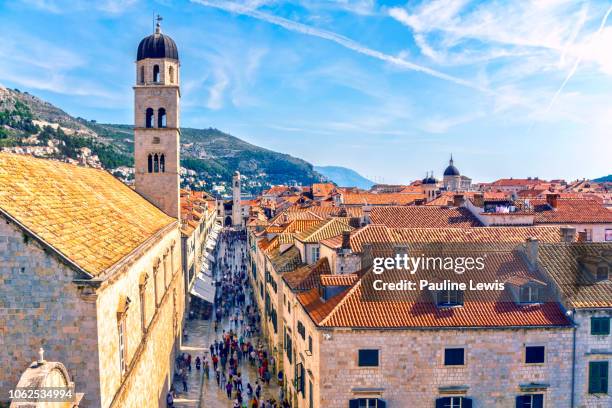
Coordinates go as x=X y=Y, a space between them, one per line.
x=454 y=357
x=368 y=358
x=600 y=326
x=530 y=401
x=454 y=402
x=598 y=377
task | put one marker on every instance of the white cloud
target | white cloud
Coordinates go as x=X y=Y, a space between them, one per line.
x=217 y=90
x=68 y=6
x=336 y=38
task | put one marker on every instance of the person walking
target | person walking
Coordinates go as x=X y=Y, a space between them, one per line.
x=170 y=398
x=228 y=389
x=184 y=378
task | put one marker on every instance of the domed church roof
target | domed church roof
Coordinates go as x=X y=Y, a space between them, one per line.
x=451 y=170
x=157 y=45
x=429 y=179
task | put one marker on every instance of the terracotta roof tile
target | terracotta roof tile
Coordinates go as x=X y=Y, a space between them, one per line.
x=423 y=217
x=86 y=214
x=565 y=265
x=417 y=309
x=570 y=210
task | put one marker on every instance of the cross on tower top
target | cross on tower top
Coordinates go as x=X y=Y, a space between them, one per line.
x=158 y=20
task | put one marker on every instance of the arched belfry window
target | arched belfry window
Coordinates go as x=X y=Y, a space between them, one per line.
x=149 y=118
x=150 y=163
x=162 y=163
x=171 y=74
x=161 y=118
x=155 y=73
x=142 y=78
x=156 y=163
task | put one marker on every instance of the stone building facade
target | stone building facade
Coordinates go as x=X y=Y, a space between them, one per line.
x=107 y=301
x=89 y=269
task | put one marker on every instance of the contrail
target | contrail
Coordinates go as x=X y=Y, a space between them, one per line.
x=578 y=60
x=338 y=39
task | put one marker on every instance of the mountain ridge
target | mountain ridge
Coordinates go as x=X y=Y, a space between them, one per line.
x=344 y=176
x=210 y=157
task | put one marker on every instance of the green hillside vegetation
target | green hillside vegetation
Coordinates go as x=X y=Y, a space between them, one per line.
x=211 y=153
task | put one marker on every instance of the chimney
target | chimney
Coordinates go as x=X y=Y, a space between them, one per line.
x=531 y=249
x=568 y=234
x=367 y=210
x=400 y=249
x=478 y=200
x=552 y=200
x=366 y=256
x=346 y=239
x=457 y=200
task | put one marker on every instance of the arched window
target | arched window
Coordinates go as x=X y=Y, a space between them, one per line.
x=156 y=163
x=155 y=73
x=162 y=163
x=161 y=118
x=171 y=74
x=150 y=163
x=142 y=79
x=149 y=118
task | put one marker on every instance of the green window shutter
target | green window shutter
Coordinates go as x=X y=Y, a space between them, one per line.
x=598 y=377
x=600 y=326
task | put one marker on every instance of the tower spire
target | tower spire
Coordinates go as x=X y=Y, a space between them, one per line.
x=158 y=20
x=451 y=160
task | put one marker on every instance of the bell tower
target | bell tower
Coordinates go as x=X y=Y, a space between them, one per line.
x=156 y=122
x=236 y=206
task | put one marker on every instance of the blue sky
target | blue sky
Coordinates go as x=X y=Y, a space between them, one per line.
x=387 y=88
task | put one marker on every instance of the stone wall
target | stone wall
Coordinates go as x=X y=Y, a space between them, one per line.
x=411 y=366
x=591 y=348
x=41 y=307
x=150 y=354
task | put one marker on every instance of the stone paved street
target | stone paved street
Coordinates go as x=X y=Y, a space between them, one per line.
x=200 y=335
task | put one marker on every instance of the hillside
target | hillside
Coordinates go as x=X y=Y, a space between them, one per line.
x=209 y=156
x=604 y=179
x=344 y=177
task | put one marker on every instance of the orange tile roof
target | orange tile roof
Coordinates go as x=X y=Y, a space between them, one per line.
x=417 y=309
x=446 y=198
x=563 y=264
x=423 y=217
x=575 y=211
x=322 y=189
x=339 y=279
x=307 y=277
x=323 y=230
x=381 y=198
x=380 y=234
x=86 y=214
x=516 y=182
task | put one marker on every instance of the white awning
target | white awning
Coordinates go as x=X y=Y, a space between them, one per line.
x=205 y=269
x=210 y=257
x=204 y=289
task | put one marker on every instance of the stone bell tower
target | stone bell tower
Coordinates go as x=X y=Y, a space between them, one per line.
x=156 y=122
x=236 y=207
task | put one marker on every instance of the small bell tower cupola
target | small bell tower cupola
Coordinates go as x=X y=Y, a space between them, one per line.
x=156 y=121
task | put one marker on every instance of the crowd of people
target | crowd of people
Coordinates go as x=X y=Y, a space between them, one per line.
x=236 y=347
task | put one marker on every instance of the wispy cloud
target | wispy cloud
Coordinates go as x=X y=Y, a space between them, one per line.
x=572 y=71
x=216 y=91
x=336 y=38
x=69 y=6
